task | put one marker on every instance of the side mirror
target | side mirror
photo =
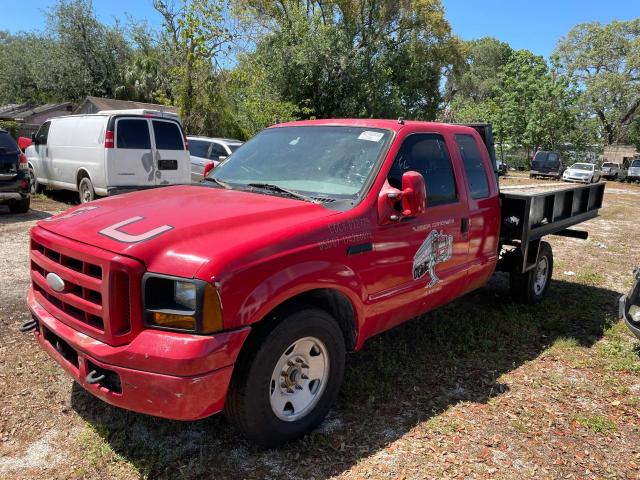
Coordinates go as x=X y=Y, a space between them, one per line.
x=413 y=197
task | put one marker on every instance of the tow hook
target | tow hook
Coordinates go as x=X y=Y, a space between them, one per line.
x=94 y=377
x=29 y=325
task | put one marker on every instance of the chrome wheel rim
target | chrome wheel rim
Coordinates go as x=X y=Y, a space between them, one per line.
x=33 y=185
x=86 y=194
x=299 y=379
x=542 y=273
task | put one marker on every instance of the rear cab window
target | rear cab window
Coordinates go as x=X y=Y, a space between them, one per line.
x=168 y=135
x=474 y=167
x=133 y=133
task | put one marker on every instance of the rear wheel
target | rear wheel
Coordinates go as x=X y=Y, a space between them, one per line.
x=85 y=190
x=20 y=206
x=532 y=286
x=288 y=379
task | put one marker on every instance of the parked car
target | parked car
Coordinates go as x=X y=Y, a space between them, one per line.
x=501 y=167
x=633 y=174
x=546 y=164
x=205 y=150
x=14 y=175
x=612 y=171
x=245 y=291
x=582 y=172
x=629 y=305
x=109 y=152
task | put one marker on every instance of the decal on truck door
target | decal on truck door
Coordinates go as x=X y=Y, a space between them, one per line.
x=436 y=248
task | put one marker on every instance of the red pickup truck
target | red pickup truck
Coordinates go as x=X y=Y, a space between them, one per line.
x=243 y=293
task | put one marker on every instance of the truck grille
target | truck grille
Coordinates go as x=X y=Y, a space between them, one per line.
x=98 y=286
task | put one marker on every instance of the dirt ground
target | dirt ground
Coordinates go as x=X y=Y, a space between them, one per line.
x=483 y=388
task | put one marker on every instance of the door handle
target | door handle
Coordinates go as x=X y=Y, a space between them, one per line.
x=464 y=225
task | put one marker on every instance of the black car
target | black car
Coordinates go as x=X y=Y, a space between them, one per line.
x=14 y=175
x=547 y=164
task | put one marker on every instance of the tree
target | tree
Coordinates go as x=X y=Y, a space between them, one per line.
x=196 y=35
x=354 y=57
x=605 y=60
x=476 y=78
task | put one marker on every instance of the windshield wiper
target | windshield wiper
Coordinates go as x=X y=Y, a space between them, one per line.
x=219 y=182
x=277 y=188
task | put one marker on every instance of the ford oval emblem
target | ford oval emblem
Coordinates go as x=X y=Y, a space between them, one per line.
x=55 y=282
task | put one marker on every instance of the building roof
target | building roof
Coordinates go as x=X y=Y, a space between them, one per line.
x=19 y=111
x=113 y=104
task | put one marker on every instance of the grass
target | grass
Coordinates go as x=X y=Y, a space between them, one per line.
x=596 y=423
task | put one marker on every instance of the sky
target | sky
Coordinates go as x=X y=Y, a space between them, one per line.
x=536 y=25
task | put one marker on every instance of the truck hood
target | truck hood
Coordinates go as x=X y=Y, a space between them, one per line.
x=176 y=230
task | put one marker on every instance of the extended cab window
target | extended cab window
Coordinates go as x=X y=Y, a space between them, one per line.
x=217 y=151
x=168 y=136
x=473 y=166
x=199 y=148
x=426 y=154
x=133 y=134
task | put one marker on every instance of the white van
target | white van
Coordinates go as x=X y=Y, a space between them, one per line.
x=109 y=152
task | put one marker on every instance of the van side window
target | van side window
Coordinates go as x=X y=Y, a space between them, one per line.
x=473 y=166
x=168 y=136
x=43 y=133
x=133 y=133
x=426 y=153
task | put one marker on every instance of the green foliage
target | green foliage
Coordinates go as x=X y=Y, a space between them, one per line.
x=605 y=60
x=359 y=58
x=10 y=126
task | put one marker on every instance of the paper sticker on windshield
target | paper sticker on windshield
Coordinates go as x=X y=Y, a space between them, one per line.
x=436 y=248
x=371 y=136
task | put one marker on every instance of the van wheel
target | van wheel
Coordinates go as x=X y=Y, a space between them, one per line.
x=20 y=206
x=288 y=379
x=85 y=190
x=34 y=186
x=532 y=286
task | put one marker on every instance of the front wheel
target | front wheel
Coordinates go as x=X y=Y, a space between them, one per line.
x=85 y=190
x=532 y=286
x=34 y=186
x=288 y=378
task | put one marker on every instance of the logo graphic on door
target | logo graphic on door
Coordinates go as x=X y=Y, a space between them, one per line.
x=436 y=248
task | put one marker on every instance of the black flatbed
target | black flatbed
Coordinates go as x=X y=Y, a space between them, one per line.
x=529 y=212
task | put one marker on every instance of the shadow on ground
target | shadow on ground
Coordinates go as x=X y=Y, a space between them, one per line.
x=400 y=378
x=6 y=217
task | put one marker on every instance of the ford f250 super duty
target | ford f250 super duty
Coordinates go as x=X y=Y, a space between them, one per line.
x=243 y=293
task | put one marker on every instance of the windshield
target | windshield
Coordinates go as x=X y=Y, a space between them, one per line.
x=636 y=163
x=609 y=164
x=330 y=161
x=582 y=166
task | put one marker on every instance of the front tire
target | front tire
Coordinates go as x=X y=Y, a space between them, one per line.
x=288 y=378
x=531 y=287
x=34 y=186
x=85 y=190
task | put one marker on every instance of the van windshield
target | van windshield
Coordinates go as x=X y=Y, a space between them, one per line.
x=331 y=161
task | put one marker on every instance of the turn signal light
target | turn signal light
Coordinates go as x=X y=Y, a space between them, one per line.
x=171 y=320
x=211 y=311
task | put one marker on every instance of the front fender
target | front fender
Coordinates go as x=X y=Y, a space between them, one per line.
x=296 y=279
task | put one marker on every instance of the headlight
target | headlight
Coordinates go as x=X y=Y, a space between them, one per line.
x=181 y=304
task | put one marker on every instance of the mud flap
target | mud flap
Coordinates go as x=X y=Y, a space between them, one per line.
x=629 y=305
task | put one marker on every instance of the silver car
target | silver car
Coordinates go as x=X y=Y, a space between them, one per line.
x=582 y=172
x=204 y=150
x=633 y=174
x=612 y=170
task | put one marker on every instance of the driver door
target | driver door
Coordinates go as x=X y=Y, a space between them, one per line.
x=42 y=162
x=420 y=261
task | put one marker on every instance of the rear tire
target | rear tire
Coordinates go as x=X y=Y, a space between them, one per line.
x=531 y=287
x=85 y=190
x=288 y=378
x=20 y=206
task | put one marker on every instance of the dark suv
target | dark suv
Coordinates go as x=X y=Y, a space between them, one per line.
x=547 y=164
x=14 y=175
